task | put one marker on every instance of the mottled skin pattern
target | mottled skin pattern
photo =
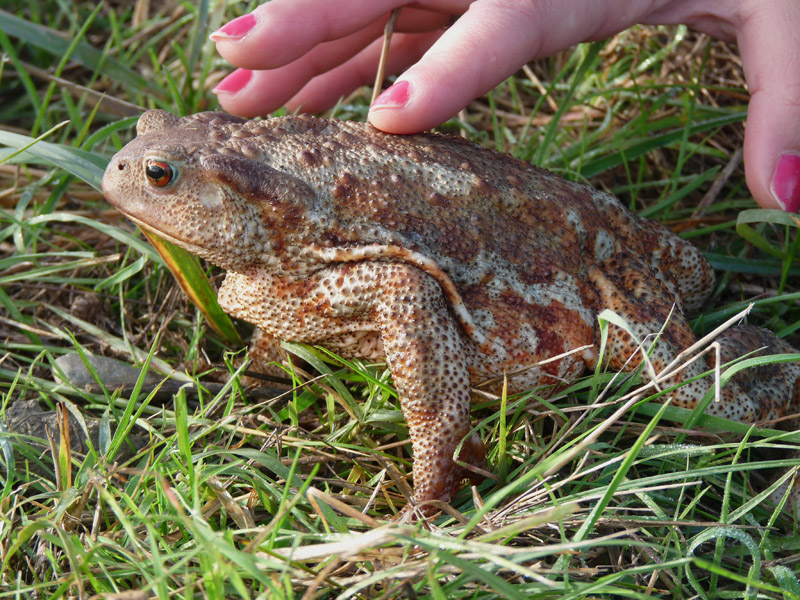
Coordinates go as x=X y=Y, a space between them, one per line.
x=455 y=263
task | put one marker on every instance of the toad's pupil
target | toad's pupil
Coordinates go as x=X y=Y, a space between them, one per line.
x=156 y=172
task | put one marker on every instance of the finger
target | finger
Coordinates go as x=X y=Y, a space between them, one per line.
x=279 y=32
x=250 y=93
x=327 y=89
x=770 y=47
x=486 y=45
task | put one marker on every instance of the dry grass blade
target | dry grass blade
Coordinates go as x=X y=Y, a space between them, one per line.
x=380 y=76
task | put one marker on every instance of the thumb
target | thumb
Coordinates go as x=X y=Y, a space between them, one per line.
x=769 y=42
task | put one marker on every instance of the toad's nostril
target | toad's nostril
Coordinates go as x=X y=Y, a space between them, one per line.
x=121 y=166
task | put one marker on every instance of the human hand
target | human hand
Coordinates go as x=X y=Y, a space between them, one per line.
x=307 y=54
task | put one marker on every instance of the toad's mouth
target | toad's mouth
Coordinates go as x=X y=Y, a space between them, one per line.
x=149 y=230
x=168 y=232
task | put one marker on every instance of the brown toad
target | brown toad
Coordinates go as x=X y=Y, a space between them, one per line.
x=455 y=263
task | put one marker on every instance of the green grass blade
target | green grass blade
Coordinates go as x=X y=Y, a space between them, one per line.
x=80 y=163
x=49 y=40
x=641 y=147
x=764 y=215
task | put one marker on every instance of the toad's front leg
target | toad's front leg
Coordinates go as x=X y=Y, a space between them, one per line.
x=341 y=306
x=425 y=352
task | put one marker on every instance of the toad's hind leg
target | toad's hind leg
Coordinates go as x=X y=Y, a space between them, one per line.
x=629 y=288
x=766 y=395
x=757 y=395
x=773 y=388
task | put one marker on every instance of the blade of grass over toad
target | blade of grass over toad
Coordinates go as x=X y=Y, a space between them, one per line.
x=194 y=283
x=50 y=41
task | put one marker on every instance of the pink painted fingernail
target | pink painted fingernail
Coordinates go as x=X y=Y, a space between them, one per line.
x=236 y=29
x=233 y=82
x=786 y=182
x=395 y=96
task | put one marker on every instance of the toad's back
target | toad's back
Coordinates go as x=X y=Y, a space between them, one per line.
x=479 y=215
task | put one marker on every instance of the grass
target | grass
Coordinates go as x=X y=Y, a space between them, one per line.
x=218 y=492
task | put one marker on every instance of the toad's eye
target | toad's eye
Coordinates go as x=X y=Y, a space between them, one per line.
x=159 y=173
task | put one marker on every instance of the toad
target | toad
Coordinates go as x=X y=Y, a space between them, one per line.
x=455 y=263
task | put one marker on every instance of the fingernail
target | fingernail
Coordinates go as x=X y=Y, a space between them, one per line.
x=395 y=96
x=233 y=82
x=786 y=182
x=236 y=29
